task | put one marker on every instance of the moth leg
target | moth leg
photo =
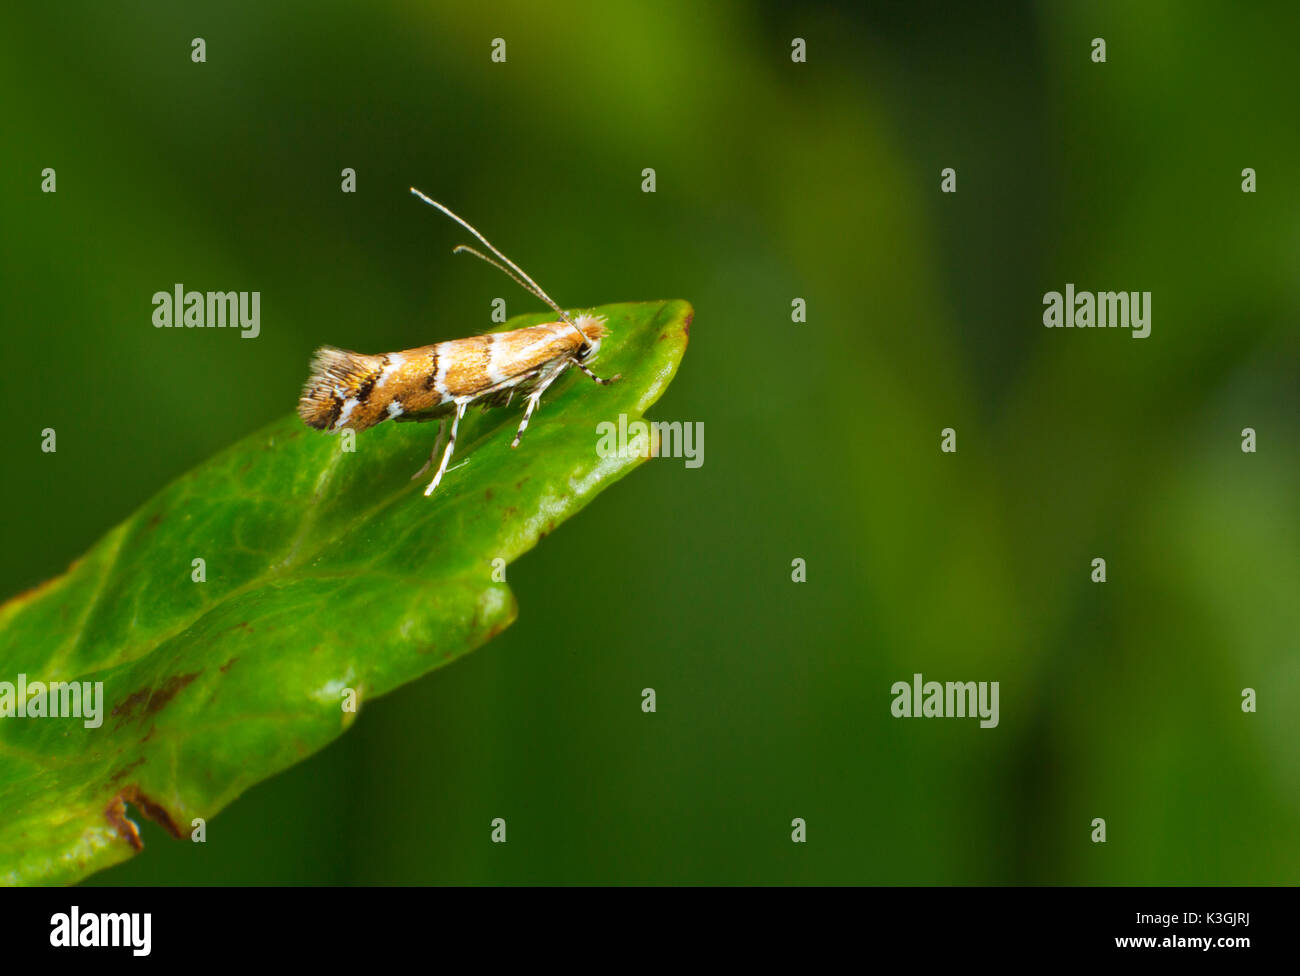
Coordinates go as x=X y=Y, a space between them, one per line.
x=498 y=400
x=437 y=446
x=602 y=382
x=534 y=397
x=451 y=446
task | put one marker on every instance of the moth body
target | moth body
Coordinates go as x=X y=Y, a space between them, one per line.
x=352 y=391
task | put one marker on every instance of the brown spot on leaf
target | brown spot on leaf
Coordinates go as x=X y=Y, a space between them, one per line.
x=155 y=519
x=686 y=324
x=118 y=820
x=226 y=667
x=159 y=699
x=153 y=699
x=130 y=703
x=125 y=769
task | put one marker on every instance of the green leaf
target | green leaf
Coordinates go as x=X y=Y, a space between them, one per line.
x=325 y=570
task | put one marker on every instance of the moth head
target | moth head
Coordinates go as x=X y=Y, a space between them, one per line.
x=593 y=327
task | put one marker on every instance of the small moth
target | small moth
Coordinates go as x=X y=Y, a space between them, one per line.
x=352 y=390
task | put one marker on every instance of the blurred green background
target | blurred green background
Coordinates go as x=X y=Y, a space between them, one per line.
x=775 y=180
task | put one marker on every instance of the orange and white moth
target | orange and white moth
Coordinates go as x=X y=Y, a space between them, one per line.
x=354 y=391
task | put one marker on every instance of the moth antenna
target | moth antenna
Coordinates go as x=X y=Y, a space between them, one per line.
x=504 y=270
x=522 y=280
x=525 y=285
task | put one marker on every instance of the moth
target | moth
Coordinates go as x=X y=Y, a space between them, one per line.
x=352 y=390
